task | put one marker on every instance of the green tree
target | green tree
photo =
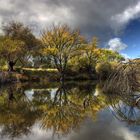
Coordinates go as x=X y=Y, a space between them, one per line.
x=110 y=56
x=91 y=53
x=88 y=56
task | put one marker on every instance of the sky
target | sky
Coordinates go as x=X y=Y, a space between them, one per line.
x=115 y=22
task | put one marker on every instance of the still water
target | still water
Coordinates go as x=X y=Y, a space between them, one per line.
x=70 y=111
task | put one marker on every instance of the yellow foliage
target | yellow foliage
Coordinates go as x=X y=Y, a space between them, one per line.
x=10 y=48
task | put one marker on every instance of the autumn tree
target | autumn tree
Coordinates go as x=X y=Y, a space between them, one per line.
x=92 y=53
x=21 y=32
x=10 y=50
x=61 y=43
x=88 y=56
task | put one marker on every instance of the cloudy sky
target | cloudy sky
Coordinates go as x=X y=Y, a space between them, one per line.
x=115 y=22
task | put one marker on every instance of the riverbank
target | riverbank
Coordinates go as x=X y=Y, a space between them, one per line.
x=41 y=75
x=10 y=77
x=101 y=72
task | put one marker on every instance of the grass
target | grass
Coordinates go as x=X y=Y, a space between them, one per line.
x=27 y=74
x=39 y=74
x=4 y=68
x=50 y=74
x=125 y=79
x=40 y=69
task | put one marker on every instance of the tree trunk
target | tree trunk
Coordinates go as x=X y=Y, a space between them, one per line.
x=62 y=77
x=89 y=70
x=11 y=65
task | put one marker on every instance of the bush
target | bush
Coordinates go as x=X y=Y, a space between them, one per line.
x=104 y=69
x=82 y=65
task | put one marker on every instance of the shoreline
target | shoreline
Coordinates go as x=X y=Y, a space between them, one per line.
x=41 y=76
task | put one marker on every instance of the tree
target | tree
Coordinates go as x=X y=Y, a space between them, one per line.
x=110 y=56
x=19 y=31
x=11 y=50
x=89 y=55
x=61 y=43
x=91 y=52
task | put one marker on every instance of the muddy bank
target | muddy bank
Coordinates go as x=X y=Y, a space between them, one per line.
x=9 y=77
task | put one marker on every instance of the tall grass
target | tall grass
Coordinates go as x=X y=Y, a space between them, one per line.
x=124 y=79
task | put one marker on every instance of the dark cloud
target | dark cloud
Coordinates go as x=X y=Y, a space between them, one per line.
x=93 y=17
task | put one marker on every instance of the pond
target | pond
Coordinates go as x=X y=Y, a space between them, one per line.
x=70 y=111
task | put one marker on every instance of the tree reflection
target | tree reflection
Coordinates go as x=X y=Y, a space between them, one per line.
x=69 y=107
x=16 y=114
x=62 y=108
x=126 y=108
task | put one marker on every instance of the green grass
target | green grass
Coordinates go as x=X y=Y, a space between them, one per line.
x=4 y=68
x=40 y=69
x=39 y=73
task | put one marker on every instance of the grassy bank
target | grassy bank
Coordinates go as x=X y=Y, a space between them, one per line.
x=53 y=74
x=41 y=75
x=102 y=72
x=8 y=77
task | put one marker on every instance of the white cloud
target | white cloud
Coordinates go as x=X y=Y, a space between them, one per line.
x=116 y=44
x=126 y=56
x=123 y=18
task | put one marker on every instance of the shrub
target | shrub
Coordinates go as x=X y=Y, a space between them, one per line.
x=104 y=69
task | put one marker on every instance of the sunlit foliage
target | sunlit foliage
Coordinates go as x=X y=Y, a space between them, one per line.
x=61 y=43
x=10 y=49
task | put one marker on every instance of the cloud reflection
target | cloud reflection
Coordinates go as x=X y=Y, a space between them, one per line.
x=106 y=128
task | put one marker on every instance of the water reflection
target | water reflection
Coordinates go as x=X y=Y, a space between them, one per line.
x=72 y=111
x=126 y=108
x=17 y=115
